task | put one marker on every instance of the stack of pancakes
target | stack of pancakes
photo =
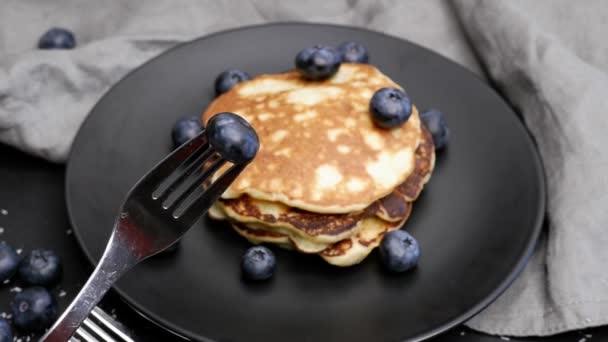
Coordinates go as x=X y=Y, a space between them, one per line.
x=326 y=180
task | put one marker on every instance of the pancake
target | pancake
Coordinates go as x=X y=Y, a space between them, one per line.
x=330 y=228
x=319 y=148
x=352 y=251
x=346 y=252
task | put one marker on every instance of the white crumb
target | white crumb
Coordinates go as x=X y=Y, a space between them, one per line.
x=1 y=230
x=19 y=250
x=588 y=336
x=588 y=320
x=3 y=314
x=69 y=231
x=16 y=289
x=62 y=293
x=6 y=281
x=9 y=316
x=4 y=212
x=462 y=333
x=582 y=340
x=504 y=338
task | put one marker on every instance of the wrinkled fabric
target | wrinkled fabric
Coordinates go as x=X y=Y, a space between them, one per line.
x=548 y=57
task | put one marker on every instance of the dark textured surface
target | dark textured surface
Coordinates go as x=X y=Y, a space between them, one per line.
x=476 y=222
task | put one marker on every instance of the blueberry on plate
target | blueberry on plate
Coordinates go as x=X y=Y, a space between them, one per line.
x=390 y=107
x=435 y=122
x=34 y=309
x=6 y=334
x=233 y=137
x=184 y=130
x=258 y=263
x=57 y=38
x=319 y=62
x=228 y=79
x=40 y=267
x=352 y=52
x=399 y=251
x=9 y=261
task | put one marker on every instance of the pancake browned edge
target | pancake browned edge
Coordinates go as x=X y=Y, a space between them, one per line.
x=340 y=239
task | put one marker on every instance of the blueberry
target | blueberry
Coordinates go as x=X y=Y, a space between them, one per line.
x=434 y=121
x=233 y=137
x=399 y=251
x=353 y=53
x=390 y=107
x=228 y=79
x=258 y=263
x=319 y=62
x=184 y=130
x=9 y=261
x=57 y=38
x=40 y=267
x=6 y=335
x=34 y=309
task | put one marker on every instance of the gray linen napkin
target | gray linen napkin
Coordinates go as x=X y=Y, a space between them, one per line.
x=550 y=59
x=555 y=83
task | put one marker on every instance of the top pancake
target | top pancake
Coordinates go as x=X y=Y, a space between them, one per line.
x=319 y=148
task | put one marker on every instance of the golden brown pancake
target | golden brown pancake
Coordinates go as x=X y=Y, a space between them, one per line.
x=347 y=252
x=330 y=228
x=326 y=180
x=319 y=148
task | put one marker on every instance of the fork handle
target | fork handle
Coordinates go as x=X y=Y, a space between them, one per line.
x=107 y=272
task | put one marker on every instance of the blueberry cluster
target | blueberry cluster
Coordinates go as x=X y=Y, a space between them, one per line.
x=35 y=307
x=321 y=62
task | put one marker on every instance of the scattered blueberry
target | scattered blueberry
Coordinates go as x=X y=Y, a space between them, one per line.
x=399 y=251
x=435 y=122
x=40 y=267
x=228 y=79
x=390 y=107
x=57 y=38
x=352 y=52
x=34 y=309
x=319 y=62
x=9 y=261
x=185 y=129
x=233 y=137
x=258 y=263
x=6 y=334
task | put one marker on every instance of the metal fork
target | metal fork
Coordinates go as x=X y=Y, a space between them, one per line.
x=161 y=208
x=100 y=326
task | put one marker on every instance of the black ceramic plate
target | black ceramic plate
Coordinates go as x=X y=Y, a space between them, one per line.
x=477 y=220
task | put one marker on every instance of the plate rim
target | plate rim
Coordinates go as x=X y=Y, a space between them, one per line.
x=485 y=302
